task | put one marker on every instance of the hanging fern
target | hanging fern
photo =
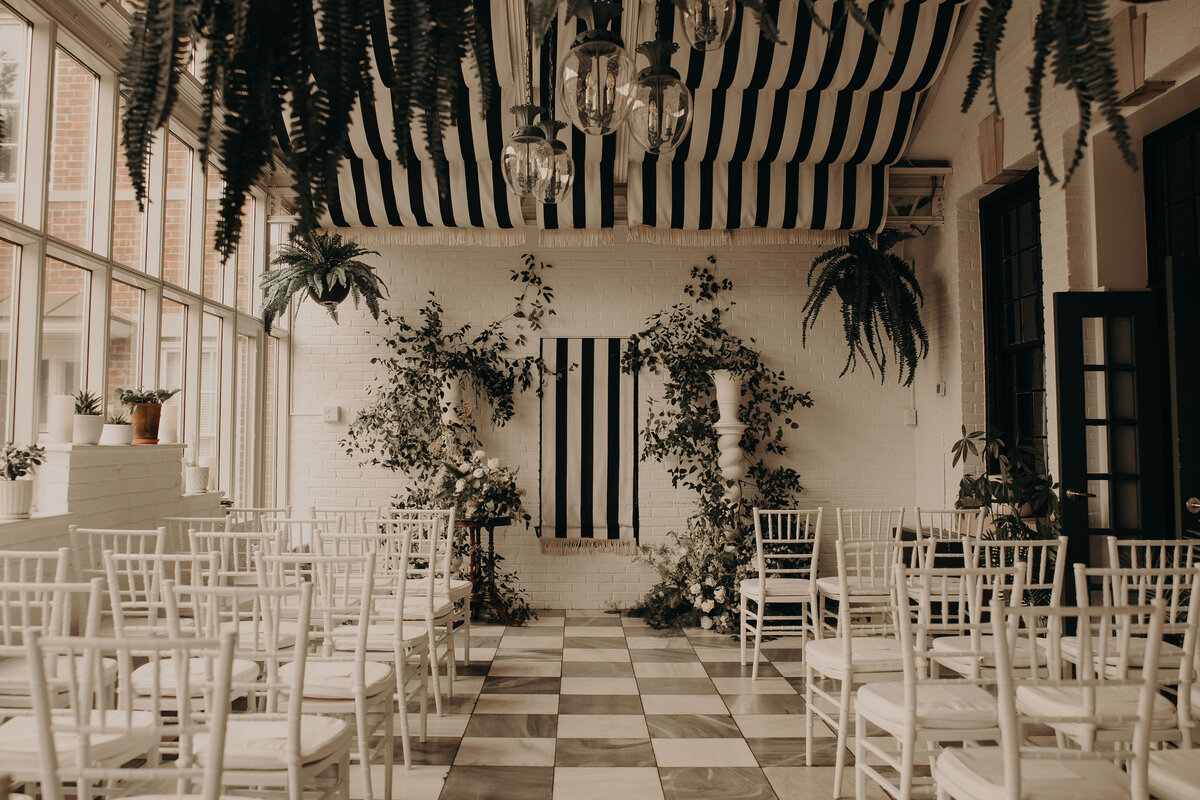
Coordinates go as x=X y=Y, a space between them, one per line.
x=881 y=301
x=286 y=74
x=1072 y=43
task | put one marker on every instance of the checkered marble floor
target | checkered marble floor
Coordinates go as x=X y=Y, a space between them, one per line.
x=580 y=704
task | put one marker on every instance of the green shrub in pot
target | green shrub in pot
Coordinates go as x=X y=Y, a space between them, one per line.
x=17 y=463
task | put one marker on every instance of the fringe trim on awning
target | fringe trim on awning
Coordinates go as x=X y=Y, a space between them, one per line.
x=576 y=237
x=552 y=546
x=423 y=237
x=675 y=237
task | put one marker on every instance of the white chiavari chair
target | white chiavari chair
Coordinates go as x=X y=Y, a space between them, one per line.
x=944 y=535
x=424 y=603
x=388 y=636
x=348 y=519
x=1174 y=774
x=88 y=546
x=450 y=582
x=35 y=566
x=923 y=712
x=787 y=547
x=856 y=525
x=350 y=685
x=251 y=519
x=135 y=586
x=298 y=534
x=866 y=648
x=1152 y=552
x=1016 y=768
x=178 y=527
x=107 y=748
x=237 y=550
x=275 y=744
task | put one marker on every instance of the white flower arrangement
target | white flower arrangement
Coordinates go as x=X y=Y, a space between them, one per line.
x=479 y=488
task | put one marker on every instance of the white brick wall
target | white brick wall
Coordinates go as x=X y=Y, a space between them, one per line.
x=853 y=448
x=105 y=487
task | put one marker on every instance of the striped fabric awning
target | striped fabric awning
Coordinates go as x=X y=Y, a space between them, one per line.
x=789 y=142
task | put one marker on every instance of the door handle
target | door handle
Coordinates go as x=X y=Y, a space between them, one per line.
x=1074 y=495
x=1192 y=504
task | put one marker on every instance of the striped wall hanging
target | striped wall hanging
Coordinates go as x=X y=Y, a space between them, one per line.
x=588 y=489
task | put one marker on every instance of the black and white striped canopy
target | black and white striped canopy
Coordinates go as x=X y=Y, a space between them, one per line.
x=792 y=137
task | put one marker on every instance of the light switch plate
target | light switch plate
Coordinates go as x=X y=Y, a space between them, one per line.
x=332 y=414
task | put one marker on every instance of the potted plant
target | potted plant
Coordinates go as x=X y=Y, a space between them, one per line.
x=1021 y=500
x=17 y=463
x=880 y=299
x=328 y=268
x=195 y=477
x=117 y=430
x=89 y=423
x=146 y=407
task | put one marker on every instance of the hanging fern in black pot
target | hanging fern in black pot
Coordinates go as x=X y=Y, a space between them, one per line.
x=880 y=299
x=327 y=267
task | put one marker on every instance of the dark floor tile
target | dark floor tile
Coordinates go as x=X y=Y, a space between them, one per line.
x=824 y=751
x=460 y=704
x=764 y=703
x=476 y=669
x=521 y=654
x=797 y=684
x=648 y=633
x=509 y=685
x=779 y=654
x=480 y=641
x=513 y=726
x=595 y=642
x=676 y=686
x=732 y=669
x=435 y=751
x=607 y=621
x=717 y=783
x=790 y=752
x=691 y=726
x=599 y=704
x=661 y=656
x=597 y=669
x=546 y=613
x=499 y=783
x=602 y=753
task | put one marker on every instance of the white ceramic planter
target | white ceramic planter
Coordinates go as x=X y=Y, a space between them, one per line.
x=117 y=434
x=168 y=424
x=729 y=393
x=16 y=498
x=195 y=480
x=60 y=419
x=451 y=400
x=87 y=429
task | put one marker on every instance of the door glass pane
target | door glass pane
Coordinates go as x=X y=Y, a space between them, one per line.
x=1120 y=341
x=1096 y=438
x=1123 y=397
x=10 y=256
x=65 y=307
x=124 y=338
x=270 y=423
x=1099 y=505
x=209 y=442
x=14 y=79
x=172 y=353
x=129 y=224
x=1093 y=340
x=1095 y=394
x=214 y=270
x=178 y=216
x=72 y=151
x=243 y=487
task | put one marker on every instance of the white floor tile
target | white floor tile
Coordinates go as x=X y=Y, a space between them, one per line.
x=606 y=783
x=703 y=753
x=602 y=726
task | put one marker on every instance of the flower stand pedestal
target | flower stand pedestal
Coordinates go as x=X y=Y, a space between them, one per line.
x=483 y=573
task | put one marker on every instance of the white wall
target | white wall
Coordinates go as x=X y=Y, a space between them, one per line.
x=852 y=448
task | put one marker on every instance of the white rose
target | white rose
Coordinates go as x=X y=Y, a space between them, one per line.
x=464 y=466
x=706 y=623
x=709 y=581
x=707 y=606
x=695 y=588
x=459 y=485
x=493 y=463
x=720 y=594
x=478 y=473
x=477 y=455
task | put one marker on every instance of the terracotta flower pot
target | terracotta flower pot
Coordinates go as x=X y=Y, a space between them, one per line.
x=145 y=423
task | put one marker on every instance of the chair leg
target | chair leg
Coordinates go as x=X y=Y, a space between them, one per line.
x=907 y=746
x=758 y=630
x=843 y=723
x=389 y=748
x=363 y=731
x=808 y=715
x=742 y=628
x=344 y=775
x=451 y=658
x=860 y=758
x=424 y=700
x=402 y=693
x=467 y=632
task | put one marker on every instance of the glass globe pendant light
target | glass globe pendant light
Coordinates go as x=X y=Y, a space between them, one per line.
x=707 y=23
x=518 y=159
x=661 y=115
x=556 y=169
x=598 y=74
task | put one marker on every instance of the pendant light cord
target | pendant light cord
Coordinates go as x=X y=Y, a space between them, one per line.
x=553 y=45
x=528 y=59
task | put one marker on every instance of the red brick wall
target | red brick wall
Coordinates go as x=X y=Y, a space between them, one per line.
x=128 y=223
x=177 y=212
x=124 y=338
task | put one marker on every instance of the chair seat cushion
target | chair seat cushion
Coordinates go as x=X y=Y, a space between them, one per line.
x=1175 y=774
x=142 y=678
x=380 y=637
x=19 y=738
x=253 y=742
x=869 y=653
x=459 y=588
x=258 y=638
x=334 y=680
x=978 y=773
x=1066 y=701
x=858 y=587
x=415 y=608
x=986 y=645
x=939 y=587
x=950 y=705
x=1168 y=654
x=15 y=678
x=781 y=589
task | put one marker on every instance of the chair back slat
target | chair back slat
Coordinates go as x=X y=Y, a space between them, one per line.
x=1044 y=559
x=135 y=586
x=236 y=549
x=88 y=546
x=178 y=527
x=787 y=542
x=1149 y=553
x=35 y=566
x=347 y=519
x=298 y=533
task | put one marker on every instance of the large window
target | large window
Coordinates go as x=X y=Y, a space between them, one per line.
x=272 y=394
x=172 y=351
x=14 y=74
x=129 y=224
x=125 y=310
x=10 y=256
x=214 y=270
x=177 y=216
x=65 y=311
x=209 y=443
x=1013 y=320
x=69 y=204
x=243 y=429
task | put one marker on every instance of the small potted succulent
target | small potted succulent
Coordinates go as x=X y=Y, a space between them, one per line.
x=145 y=407
x=195 y=477
x=117 y=430
x=17 y=463
x=89 y=422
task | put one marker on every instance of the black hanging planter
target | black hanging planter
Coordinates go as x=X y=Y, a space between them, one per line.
x=330 y=296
